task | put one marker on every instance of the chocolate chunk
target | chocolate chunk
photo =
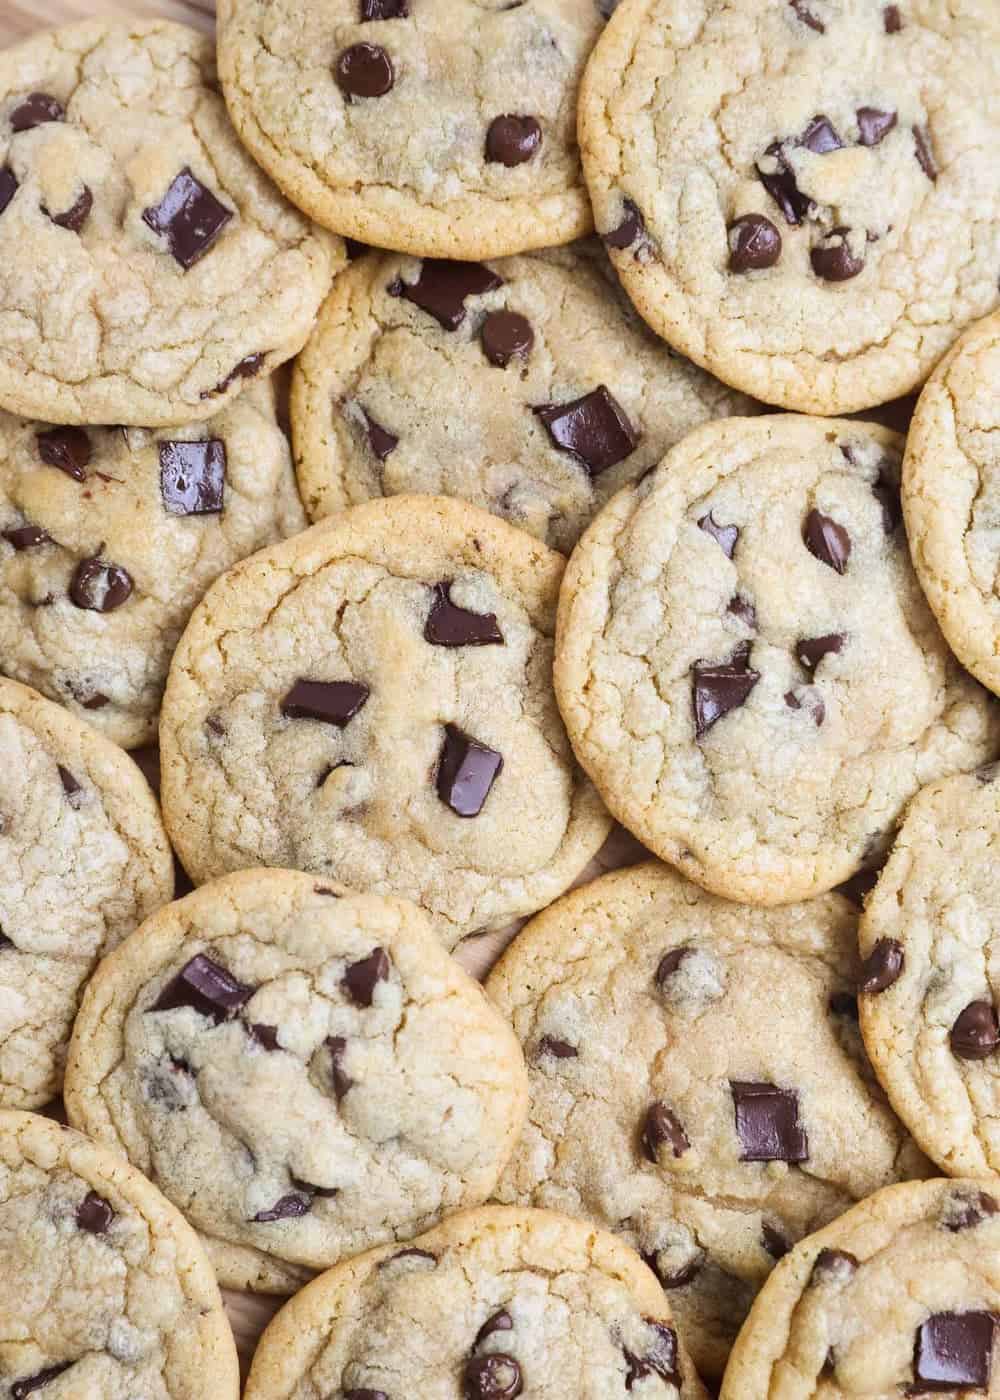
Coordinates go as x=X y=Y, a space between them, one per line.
x=337 y=1046
x=331 y=702
x=669 y=964
x=189 y=217
x=821 y=137
x=833 y=1266
x=207 y=987
x=70 y=786
x=660 y=1359
x=719 y=687
x=725 y=536
x=780 y=185
x=661 y=1125
x=193 y=476
x=493 y=1377
x=380 y=440
x=806 y=15
x=886 y=491
x=558 y=1049
x=629 y=231
x=924 y=152
x=827 y=540
x=448 y=625
x=807 y=698
x=94 y=1214
x=773 y=1241
x=767 y=1123
x=975 y=1034
x=245 y=369
x=969 y=1210
x=594 y=429
x=31 y=1383
x=384 y=9
x=874 y=125
x=36 y=109
x=500 y=1322
x=93 y=700
x=859 y=885
x=364 y=70
x=811 y=650
x=77 y=214
x=844 y=1004
x=679 y=1278
x=65 y=448
x=952 y=1351
x=289 y=1207
x=512 y=140
x=267 y=1036
x=26 y=537
x=362 y=977
x=506 y=335
x=8 y=189
x=99 y=587
x=744 y=610
x=466 y=772
x=754 y=243
x=833 y=259
x=891 y=19
x=442 y=288
x=881 y=967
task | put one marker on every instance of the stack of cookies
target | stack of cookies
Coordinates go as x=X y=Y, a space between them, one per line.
x=633 y=605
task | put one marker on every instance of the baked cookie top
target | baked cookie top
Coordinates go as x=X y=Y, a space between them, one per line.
x=148 y=266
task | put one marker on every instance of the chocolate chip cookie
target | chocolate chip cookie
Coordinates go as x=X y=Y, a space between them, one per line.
x=302 y=1070
x=528 y=386
x=746 y=665
x=110 y=536
x=437 y=127
x=698 y=1082
x=801 y=195
x=104 y=1289
x=898 y=1297
x=148 y=269
x=373 y=701
x=492 y=1304
x=83 y=859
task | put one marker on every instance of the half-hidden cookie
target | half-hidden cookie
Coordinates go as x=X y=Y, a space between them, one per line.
x=149 y=267
x=528 y=386
x=746 y=665
x=443 y=128
x=698 y=1083
x=108 y=538
x=302 y=1070
x=372 y=701
x=492 y=1304
x=801 y=195
x=83 y=860
x=951 y=498
x=104 y=1290
x=897 y=1297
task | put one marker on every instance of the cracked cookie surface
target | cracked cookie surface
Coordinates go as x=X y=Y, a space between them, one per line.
x=83 y=860
x=801 y=195
x=372 y=701
x=105 y=1293
x=529 y=387
x=147 y=267
x=110 y=536
x=493 y=1303
x=698 y=1083
x=746 y=665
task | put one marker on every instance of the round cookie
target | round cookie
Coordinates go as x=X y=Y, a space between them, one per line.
x=801 y=195
x=951 y=498
x=746 y=665
x=104 y=1289
x=442 y=128
x=372 y=701
x=149 y=268
x=83 y=860
x=491 y=1303
x=110 y=536
x=698 y=1082
x=302 y=1070
x=529 y=387
x=897 y=1297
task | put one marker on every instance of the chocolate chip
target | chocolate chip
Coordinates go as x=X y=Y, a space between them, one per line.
x=679 y=1278
x=193 y=476
x=506 y=335
x=245 y=369
x=719 y=687
x=362 y=977
x=886 y=491
x=874 y=125
x=725 y=536
x=94 y=1214
x=466 y=772
x=773 y=1241
x=811 y=650
x=975 y=1034
x=629 y=231
x=833 y=259
x=289 y=1207
x=859 y=885
x=821 y=137
x=969 y=1210
x=559 y=1049
x=952 y=1351
x=36 y=109
x=70 y=786
x=77 y=214
x=448 y=625
x=744 y=610
x=442 y=288
x=99 y=587
x=500 y=1322
x=8 y=189
x=92 y=701
x=207 y=987
x=827 y=540
x=22 y=1388
x=767 y=1123
x=337 y=1046
x=660 y=1359
x=924 y=152
x=65 y=448
x=881 y=967
x=512 y=140
x=189 y=217
x=331 y=702
x=384 y=9
x=26 y=537
x=833 y=1266
x=806 y=15
x=669 y=964
x=780 y=185
x=364 y=70
x=891 y=19
x=844 y=1004
x=754 y=243
x=493 y=1377
x=594 y=429
x=380 y=440
x=267 y=1036
x=661 y=1125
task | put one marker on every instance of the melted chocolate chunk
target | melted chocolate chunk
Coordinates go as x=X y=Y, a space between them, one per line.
x=364 y=70
x=512 y=140
x=882 y=966
x=331 y=702
x=874 y=125
x=21 y=537
x=767 y=1123
x=98 y=587
x=362 y=977
x=660 y=1359
x=891 y=19
x=36 y=109
x=188 y=217
x=77 y=214
x=506 y=336
x=594 y=428
x=8 y=189
x=466 y=772
x=94 y=1214
x=20 y=1389
x=629 y=231
x=207 y=987
x=811 y=650
x=337 y=1046
x=493 y=1377
x=448 y=625
x=806 y=15
x=289 y=1207
x=384 y=9
x=193 y=476
x=669 y=964
x=773 y=1241
x=662 y=1126
x=442 y=288
x=952 y=1351
x=246 y=369
x=500 y=1322
x=780 y=185
x=744 y=610
x=66 y=448
x=719 y=687
x=380 y=440
x=266 y=1036
x=975 y=1034
x=70 y=786
x=924 y=152
x=828 y=541
x=833 y=1266
x=725 y=536
x=833 y=259
x=754 y=243
x=558 y=1049
x=821 y=137
x=969 y=1210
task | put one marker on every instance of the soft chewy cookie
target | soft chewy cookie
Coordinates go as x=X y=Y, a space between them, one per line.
x=83 y=859
x=492 y=1304
x=802 y=195
x=898 y=1297
x=105 y=1293
x=438 y=127
x=527 y=386
x=108 y=538
x=698 y=1082
x=147 y=267
x=951 y=498
x=302 y=1070
x=746 y=664
x=373 y=701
